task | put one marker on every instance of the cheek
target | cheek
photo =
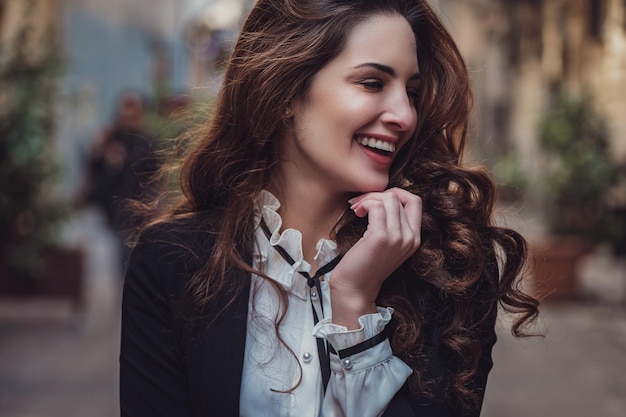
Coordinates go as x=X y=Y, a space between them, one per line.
x=341 y=104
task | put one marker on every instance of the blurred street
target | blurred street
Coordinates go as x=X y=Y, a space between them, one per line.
x=56 y=364
x=65 y=65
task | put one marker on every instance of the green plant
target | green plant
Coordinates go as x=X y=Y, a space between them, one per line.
x=613 y=223
x=580 y=169
x=510 y=176
x=29 y=218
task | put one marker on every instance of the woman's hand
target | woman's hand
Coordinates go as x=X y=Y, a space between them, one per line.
x=392 y=235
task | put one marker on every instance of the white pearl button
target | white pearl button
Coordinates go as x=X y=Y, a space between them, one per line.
x=306 y=357
x=346 y=363
x=314 y=295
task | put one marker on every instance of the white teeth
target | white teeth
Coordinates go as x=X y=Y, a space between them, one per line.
x=377 y=144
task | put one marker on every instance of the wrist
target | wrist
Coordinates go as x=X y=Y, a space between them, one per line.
x=347 y=306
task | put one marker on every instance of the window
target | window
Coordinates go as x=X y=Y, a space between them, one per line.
x=596 y=18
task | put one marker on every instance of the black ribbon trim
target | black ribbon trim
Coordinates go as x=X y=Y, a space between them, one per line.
x=364 y=345
x=313 y=281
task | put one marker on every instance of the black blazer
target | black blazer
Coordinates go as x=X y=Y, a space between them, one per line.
x=157 y=379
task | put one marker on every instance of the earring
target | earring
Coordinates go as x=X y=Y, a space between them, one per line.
x=288 y=113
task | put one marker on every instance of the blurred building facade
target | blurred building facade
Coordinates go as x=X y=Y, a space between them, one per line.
x=155 y=47
x=519 y=53
x=112 y=47
x=40 y=18
x=522 y=52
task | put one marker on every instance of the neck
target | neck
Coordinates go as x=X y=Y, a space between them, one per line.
x=311 y=210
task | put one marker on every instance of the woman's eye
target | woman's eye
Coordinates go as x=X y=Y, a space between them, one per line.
x=373 y=84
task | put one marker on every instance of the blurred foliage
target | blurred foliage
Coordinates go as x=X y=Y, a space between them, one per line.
x=178 y=122
x=580 y=171
x=613 y=222
x=29 y=219
x=511 y=178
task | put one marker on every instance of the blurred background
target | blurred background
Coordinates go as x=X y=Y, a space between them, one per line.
x=89 y=88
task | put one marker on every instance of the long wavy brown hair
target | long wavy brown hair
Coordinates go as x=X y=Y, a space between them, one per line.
x=465 y=266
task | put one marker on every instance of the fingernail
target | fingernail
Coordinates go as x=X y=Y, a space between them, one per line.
x=351 y=200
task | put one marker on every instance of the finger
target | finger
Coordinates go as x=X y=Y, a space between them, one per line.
x=411 y=237
x=411 y=219
x=393 y=211
x=374 y=209
x=391 y=226
x=357 y=204
x=358 y=199
x=412 y=207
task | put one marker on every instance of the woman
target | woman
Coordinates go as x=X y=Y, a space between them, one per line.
x=329 y=256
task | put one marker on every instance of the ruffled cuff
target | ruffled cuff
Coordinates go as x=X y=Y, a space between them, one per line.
x=341 y=338
x=361 y=384
x=364 y=392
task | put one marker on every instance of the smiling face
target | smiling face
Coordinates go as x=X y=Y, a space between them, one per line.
x=358 y=113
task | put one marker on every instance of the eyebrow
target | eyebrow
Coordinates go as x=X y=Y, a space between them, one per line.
x=388 y=70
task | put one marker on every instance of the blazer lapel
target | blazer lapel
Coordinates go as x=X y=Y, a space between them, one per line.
x=216 y=360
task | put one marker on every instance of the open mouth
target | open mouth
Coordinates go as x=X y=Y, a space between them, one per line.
x=379 y=146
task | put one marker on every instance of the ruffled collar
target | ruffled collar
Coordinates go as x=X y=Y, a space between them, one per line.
x=268 y=258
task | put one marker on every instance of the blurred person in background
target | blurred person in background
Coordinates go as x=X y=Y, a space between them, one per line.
x=122 y=164
x=329 y=253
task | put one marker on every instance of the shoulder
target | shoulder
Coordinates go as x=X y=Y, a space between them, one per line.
x=171 y=251
x=186 y=234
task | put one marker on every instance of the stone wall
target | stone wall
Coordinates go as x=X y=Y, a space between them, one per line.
x=521 y=52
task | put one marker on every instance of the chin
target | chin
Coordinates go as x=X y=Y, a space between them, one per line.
x=374 y=186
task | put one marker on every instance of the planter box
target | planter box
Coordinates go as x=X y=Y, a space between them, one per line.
x=61 y=276
x=555 y=268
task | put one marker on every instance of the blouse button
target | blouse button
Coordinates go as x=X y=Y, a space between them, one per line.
x=306 y=357
x=314 y=295
x=346 y=363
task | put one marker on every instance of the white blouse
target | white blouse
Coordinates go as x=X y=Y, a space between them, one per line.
x=284 y=379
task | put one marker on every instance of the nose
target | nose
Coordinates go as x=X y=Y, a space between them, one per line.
x=400 y=114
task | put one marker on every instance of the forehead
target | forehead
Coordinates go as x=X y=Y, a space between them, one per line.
x=382 y=38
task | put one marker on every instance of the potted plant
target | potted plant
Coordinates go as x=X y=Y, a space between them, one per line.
x=31 y=261
x=579 y=174
x=511 y=180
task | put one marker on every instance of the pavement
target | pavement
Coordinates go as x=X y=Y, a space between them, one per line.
x=55 y=363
